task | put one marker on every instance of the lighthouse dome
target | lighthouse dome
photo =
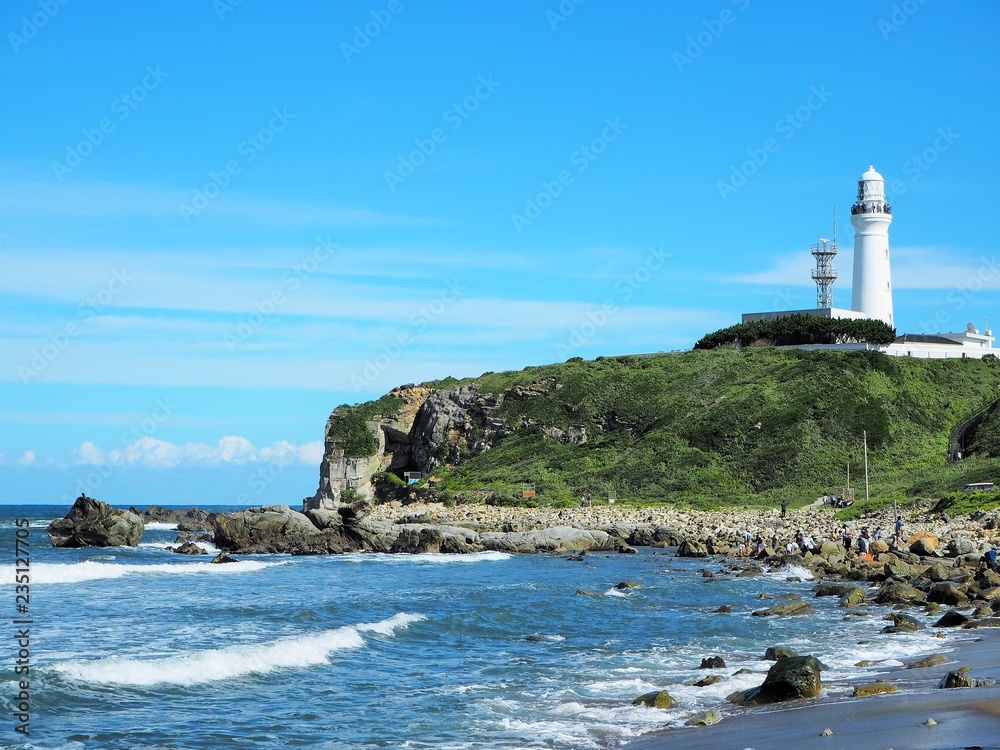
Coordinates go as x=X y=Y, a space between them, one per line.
x=870 y=175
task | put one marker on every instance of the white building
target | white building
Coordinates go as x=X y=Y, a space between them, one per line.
x=871 y=293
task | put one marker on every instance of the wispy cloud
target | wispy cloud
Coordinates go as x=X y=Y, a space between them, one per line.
x=99 y=199
x=231 y=449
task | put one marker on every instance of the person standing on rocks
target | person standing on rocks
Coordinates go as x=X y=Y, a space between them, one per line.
x=784 y=508
x=899 y=530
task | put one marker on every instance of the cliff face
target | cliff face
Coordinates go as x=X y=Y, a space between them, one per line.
x=432 y=427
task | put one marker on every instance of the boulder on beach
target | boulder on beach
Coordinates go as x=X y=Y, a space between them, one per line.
x=833 y=589
x=902 y=624
x=952 y=619
x=961 y=678
x=894 y=592
x=934 y=660
x=704 y=720
x=692 y=548
x=656 y=699
x=947 y=592
x=788 y=679
x=923 y=543
x=874 y=688
x=92 y=523
x=853 y=598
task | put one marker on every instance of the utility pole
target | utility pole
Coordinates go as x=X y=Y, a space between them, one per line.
x=864 y=435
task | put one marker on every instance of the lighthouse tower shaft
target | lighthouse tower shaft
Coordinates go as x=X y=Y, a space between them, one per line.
x=871 y=216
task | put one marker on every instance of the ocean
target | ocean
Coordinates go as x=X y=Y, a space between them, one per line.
x=143 y=648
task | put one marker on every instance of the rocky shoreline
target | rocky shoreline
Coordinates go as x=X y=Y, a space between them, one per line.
x=936 y=565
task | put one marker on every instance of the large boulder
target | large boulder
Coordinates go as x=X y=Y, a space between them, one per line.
x=274 y=528
x=418 y=538
x=924 y=544
x=947 y=592
x=692 y=548
x=91 y=523
x=894 y=592
x=961 y=545
x=788 y=679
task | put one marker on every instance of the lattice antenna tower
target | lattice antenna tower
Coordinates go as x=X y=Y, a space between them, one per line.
x=825 y=274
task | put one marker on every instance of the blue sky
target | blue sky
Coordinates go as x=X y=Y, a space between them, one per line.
x=219 y=220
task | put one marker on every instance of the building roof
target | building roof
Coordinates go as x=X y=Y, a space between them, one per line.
x=923 y=338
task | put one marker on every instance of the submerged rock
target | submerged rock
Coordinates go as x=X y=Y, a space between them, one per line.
x=656 y=699
x=92 y=523
x=712 y=662
x=786 y=610
x=704 y=720
x=874 y=688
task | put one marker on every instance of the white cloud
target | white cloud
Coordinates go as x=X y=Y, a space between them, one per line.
x=27 y=458
x=231 y=449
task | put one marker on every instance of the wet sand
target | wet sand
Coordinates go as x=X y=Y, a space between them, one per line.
x=967 y=717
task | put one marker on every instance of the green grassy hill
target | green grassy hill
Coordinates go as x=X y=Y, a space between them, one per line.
x=728 y=426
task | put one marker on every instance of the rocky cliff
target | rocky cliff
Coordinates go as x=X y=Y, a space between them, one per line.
x=431 y=427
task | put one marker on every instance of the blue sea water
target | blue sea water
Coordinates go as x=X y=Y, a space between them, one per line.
x=143 y=648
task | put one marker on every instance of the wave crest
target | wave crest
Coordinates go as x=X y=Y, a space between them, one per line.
x=213 y=665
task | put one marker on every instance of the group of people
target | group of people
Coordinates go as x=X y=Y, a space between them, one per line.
x=750 y=545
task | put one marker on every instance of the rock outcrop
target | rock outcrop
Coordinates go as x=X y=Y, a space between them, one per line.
x=274 y=528
x=91 y=523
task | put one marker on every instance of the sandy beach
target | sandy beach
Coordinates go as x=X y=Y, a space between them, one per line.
x=966 y=717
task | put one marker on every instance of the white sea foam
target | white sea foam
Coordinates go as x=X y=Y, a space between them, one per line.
x=389 y=626
x=213 y=665
x=45 y=573
x=160 y=526
x=791 y=571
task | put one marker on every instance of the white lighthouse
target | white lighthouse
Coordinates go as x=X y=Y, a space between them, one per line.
x=871 y=217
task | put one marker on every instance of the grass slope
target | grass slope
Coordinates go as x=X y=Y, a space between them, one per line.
x=728 y=426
